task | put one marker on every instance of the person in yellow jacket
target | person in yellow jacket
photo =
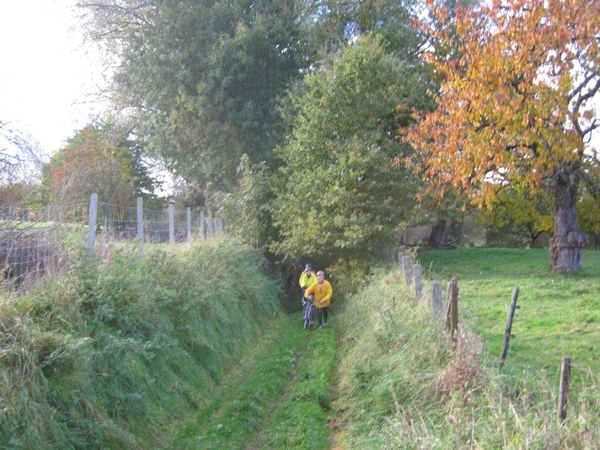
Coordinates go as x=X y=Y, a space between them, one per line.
x=322 y=291
x=307 y=278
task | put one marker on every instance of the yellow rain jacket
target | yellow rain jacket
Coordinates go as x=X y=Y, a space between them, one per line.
x=322 y=293
x=306 y=280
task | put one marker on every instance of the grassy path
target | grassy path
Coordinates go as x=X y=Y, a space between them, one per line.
x=278 y=399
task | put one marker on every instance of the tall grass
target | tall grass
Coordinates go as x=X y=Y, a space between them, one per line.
x=189 y=349
x=405 y=385
x=119 y=350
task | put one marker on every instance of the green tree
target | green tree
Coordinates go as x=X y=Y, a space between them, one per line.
x=201 y=79
x=328 y=25
x=342 y=191
x=245 y=210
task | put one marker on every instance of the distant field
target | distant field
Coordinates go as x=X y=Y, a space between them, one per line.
x=559 y=315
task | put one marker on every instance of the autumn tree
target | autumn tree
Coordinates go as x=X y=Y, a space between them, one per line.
x=100 y=159
x=515 y=107
x=518 y=216
x=588 y=213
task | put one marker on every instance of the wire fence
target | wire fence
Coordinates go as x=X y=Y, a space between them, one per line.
x=39 y=242
x=447 y=311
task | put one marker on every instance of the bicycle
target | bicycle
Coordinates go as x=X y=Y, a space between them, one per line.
x=309 y=310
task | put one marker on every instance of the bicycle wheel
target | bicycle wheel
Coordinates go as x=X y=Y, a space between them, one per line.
x=307 y=317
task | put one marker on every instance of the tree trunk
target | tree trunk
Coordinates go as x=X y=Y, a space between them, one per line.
x=437 y=238
x=566 y=245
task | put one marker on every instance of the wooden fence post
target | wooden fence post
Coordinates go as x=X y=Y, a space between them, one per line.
x=452 y=315
x=507 y=331
x=448 y=294
x=418 y=272
x=563 y=395
x=436 y=299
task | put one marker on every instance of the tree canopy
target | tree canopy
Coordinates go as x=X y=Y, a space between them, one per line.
x=201 y=79
x=514 y=106
x=339 y=191
x=19 y=155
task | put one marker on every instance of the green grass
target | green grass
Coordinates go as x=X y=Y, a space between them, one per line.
x=300 y=420
x=190 y=349
x=404 y=384
x=558 y=315
x=279 y=398
x=118 y=353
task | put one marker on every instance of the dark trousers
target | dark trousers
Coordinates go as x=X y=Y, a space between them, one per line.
x=322 y=315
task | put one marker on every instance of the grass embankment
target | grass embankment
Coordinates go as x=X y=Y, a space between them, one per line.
x=117 y=353
x=403 y=384
x=201 y=348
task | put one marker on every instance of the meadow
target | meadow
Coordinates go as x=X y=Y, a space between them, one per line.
x=404 y=383
x=558 y=315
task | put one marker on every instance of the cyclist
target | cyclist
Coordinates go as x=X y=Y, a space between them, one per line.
x=322 y=291
x=290 y=273
x=306 y=278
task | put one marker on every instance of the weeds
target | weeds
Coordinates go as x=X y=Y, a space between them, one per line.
x=117 y=351
x=125 y=350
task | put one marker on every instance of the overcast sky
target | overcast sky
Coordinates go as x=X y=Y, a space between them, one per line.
x=47 y=75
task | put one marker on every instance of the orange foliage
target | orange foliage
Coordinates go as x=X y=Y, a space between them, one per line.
x=511 y=107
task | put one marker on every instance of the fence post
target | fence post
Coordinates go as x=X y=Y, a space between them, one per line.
x=452 y=315
x=507 y=331
x=92 y=223
x=171 y=223
x=406 y=267
x=418 y=272
x=140 y=225
x=436 y=299
x=202 y=233
x=448 y=295
x=188 y=222
x=565 y=374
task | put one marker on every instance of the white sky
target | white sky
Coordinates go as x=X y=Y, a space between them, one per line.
x=47 y=75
